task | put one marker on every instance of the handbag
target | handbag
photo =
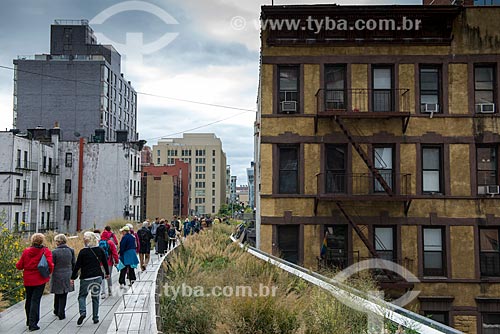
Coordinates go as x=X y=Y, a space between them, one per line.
x=99 y=261
x=43 y=266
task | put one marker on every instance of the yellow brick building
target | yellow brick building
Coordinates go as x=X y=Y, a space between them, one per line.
x=385 y=142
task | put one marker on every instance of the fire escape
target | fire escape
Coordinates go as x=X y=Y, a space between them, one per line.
x=345 y=107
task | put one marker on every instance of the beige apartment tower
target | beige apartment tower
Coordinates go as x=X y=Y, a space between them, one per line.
x=203 y=151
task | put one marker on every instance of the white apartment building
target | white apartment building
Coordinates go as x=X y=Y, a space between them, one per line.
x=66 y=186
x=203 y=151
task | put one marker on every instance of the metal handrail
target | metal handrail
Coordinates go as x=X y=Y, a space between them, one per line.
x=368 y=302
x=362 y=100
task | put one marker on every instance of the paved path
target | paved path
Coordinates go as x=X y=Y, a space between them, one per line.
x=13 y=319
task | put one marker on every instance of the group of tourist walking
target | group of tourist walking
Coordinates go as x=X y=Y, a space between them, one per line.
x=94 y=264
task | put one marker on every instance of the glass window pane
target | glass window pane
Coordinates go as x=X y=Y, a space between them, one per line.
x=288 y=158
x=486 y=158
x=430 y=158
x=383 y=157
x=334 y=77
x=431 y=181
x=288 y=182
x=429 y=79
x=433 y=240
x=428 y=98
x=484 y=96
x=433 y=260
x=382 y=78
x=484 y=77
x=335 y=158
x=488 y=240
x=384 y=238
x=289 y=79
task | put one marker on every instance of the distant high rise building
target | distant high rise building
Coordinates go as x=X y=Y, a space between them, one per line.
x=251 y=186
x=233 y=197
x=79 y=85
x=203 y=151
x=228 y=183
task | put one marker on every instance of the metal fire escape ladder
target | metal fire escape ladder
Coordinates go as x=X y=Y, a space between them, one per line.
x=364 y=156
x=365 y=240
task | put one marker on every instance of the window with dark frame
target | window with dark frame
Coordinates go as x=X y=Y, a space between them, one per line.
x=288 y=89
x=484 y=88
x=384 y=241
x=439 y=316
x=382 y=89
x=489 y=254
x=335 y=169
x=490 y=323
x=430 y=89
x=434 y=251
x=288 y=170
x=18 y=187
x=383 y=159
x=335 y=87
x=487 y=166
x=68 y=159
x=432 y=169
x=67 y=212
x=288 y=242
x=67 y=186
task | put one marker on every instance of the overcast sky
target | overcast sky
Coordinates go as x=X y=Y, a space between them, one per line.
x=213 y=58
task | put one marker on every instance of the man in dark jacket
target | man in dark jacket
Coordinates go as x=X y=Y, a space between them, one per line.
x=145 y=237
x=161 y=237
x=89 y=262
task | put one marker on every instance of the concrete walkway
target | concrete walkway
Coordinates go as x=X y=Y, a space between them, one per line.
x=13 y=320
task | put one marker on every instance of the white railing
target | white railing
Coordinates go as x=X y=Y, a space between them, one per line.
x=350 y=296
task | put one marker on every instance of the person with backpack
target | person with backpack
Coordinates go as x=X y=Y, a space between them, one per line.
x=111 y=253
x=154 y=227
x=109 y=235
x=34 y=279
x=145 y=237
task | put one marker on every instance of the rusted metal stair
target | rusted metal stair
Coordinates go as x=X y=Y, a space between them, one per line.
x=364 y=156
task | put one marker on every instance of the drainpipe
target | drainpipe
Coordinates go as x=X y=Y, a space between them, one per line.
x=80 y=187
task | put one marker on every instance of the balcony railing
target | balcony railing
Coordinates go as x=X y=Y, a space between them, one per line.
x=27 y=227
x=359 y=100
x=26 y=165
x=48 y=197
x=50 y=171
x=26 y=195
x=45 y=227
x=332 y=184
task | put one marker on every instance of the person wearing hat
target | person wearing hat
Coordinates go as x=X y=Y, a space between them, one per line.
x=134 y=234
x=128 y=256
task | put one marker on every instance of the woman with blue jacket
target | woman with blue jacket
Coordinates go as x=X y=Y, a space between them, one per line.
x=128 y=256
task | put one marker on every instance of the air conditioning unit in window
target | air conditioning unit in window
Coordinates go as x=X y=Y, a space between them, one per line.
x=289 y=107
x=488 y=190
x=485 y=108
x=429 y=107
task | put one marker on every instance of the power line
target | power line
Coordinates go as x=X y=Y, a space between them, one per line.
x=199 y=127
x=138 y=93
